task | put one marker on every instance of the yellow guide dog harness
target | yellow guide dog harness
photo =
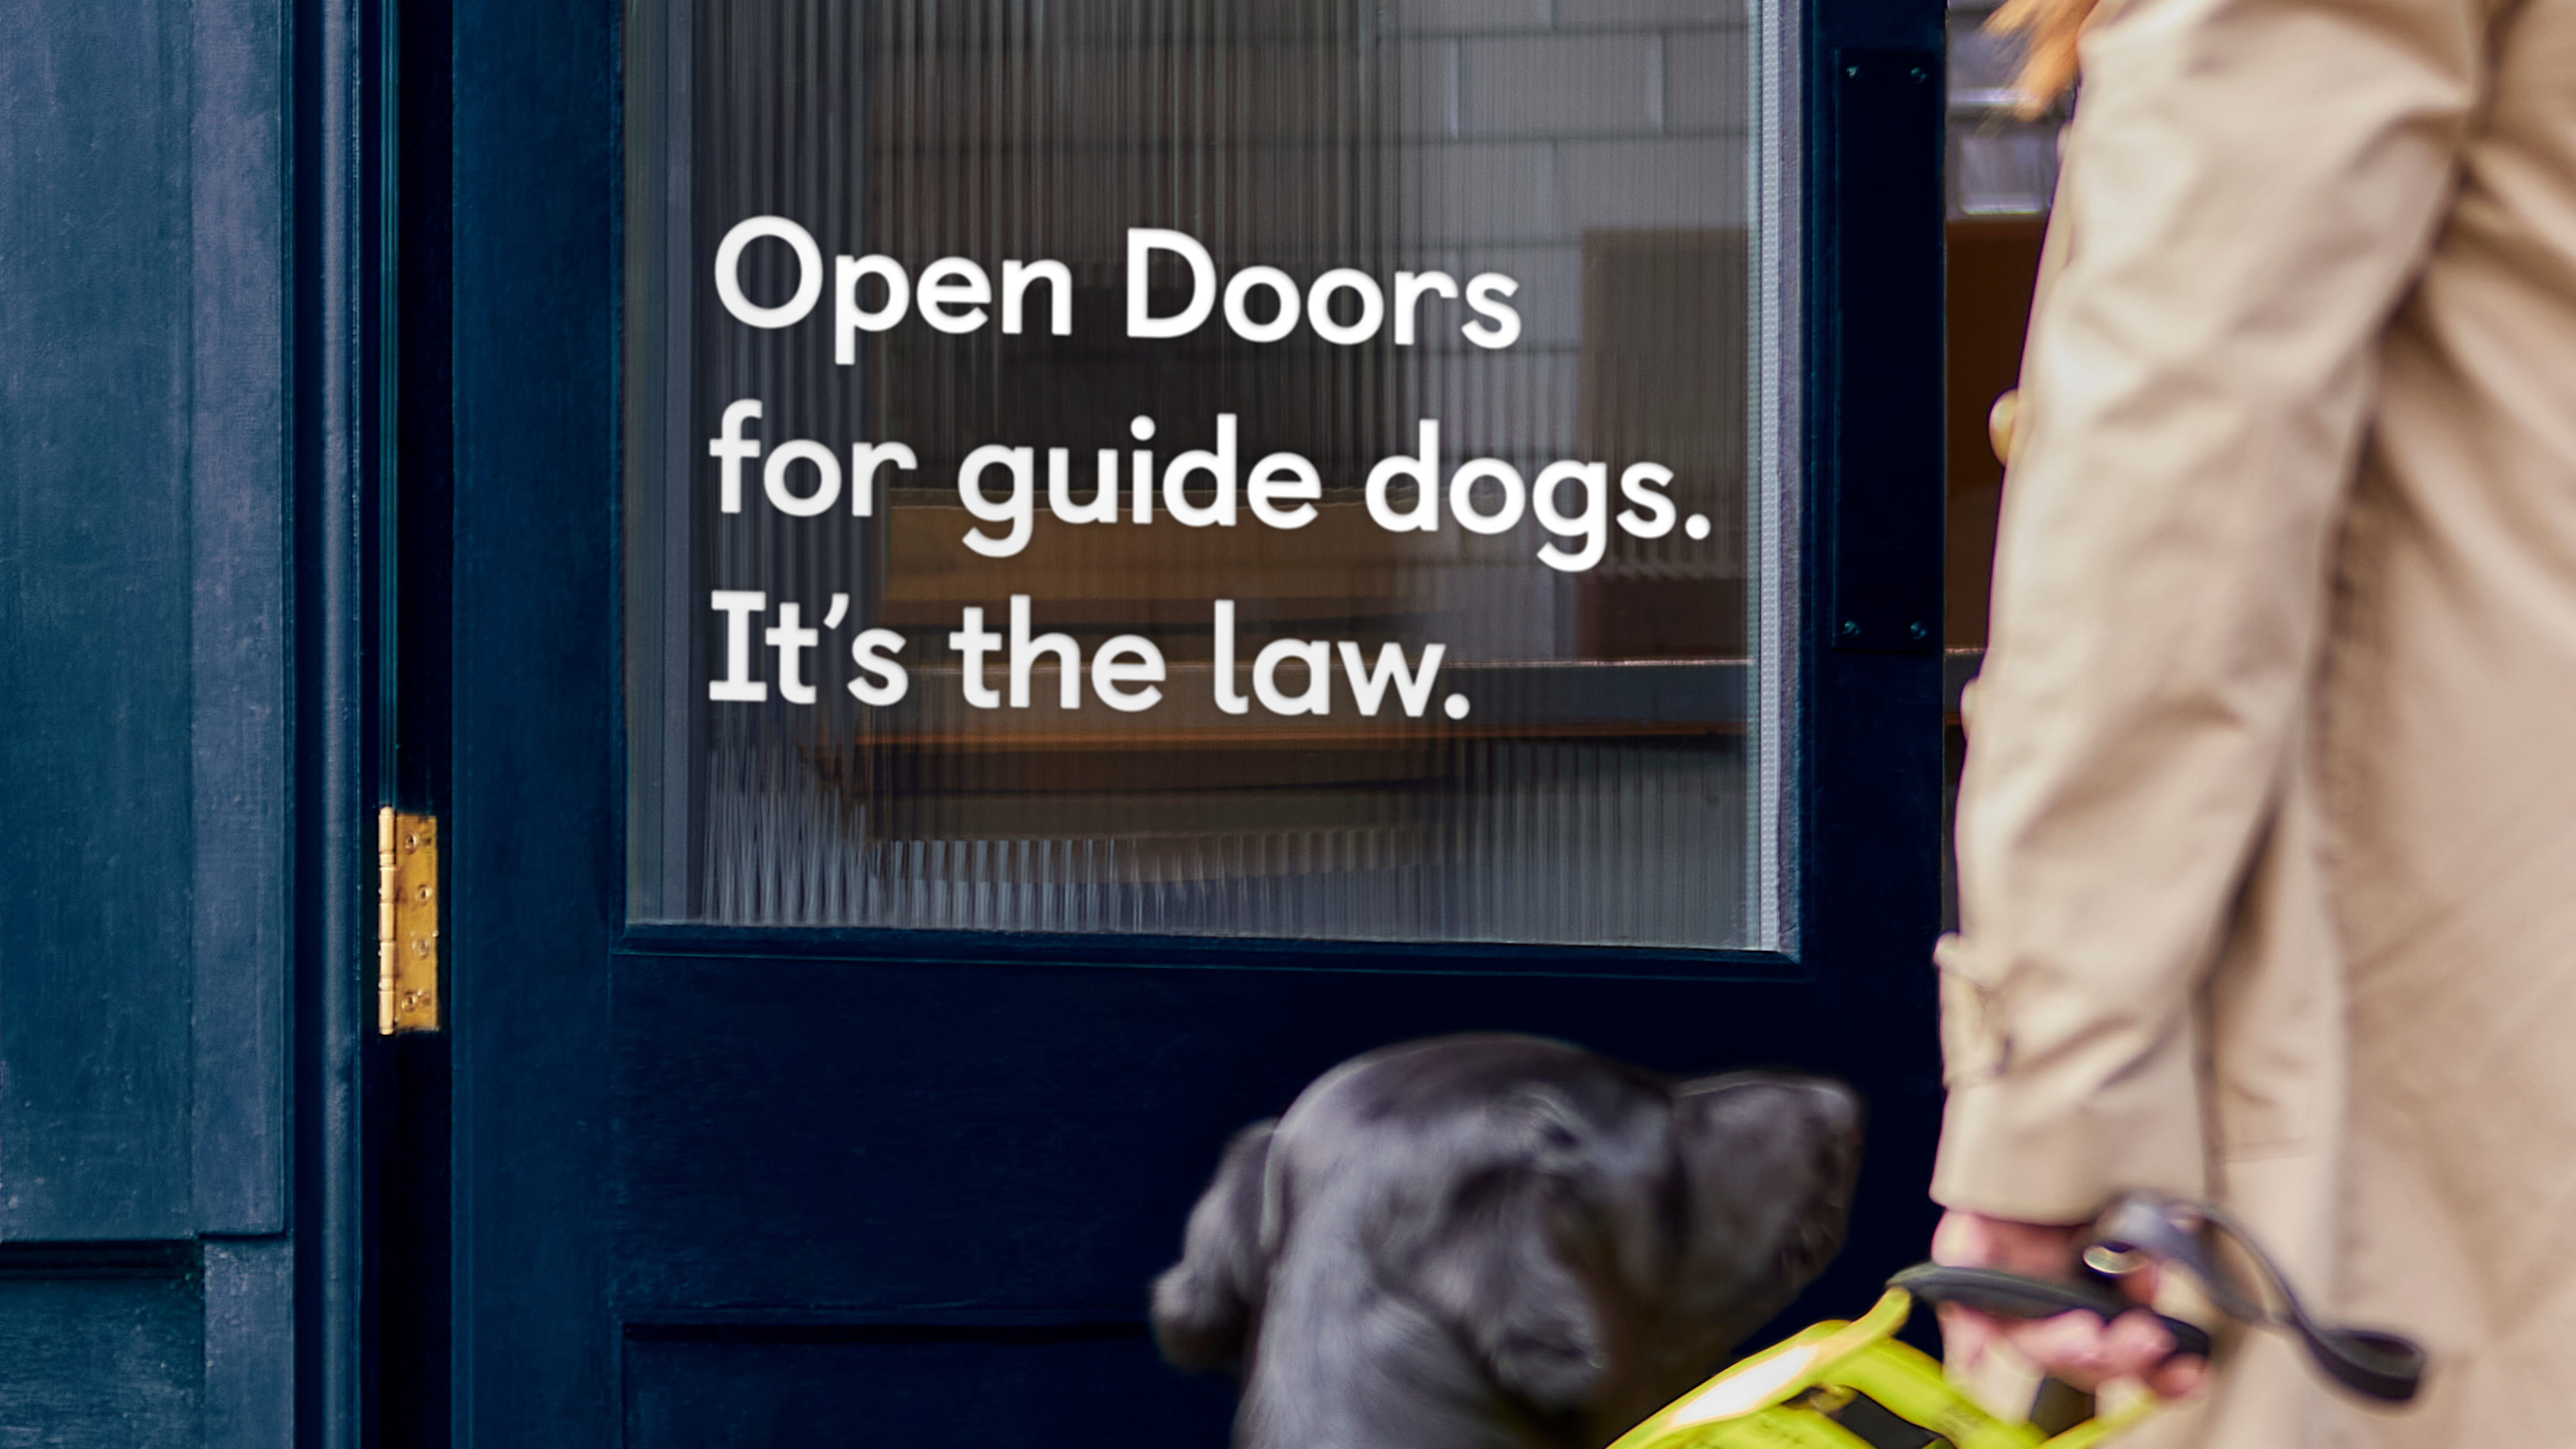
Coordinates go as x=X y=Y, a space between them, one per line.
x=1854 y=1386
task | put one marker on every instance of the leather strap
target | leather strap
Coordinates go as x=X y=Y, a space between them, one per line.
x=2147 y=1226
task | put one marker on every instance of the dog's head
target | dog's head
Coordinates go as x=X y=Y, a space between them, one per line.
x=1538 y=1239
x=1769 y=1161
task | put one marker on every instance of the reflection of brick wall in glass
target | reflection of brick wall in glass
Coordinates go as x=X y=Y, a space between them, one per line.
x=1600 y=790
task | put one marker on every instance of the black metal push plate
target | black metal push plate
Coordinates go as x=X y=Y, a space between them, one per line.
x=1884 y=275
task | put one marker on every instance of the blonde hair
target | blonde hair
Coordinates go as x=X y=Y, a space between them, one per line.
x=2049 y=29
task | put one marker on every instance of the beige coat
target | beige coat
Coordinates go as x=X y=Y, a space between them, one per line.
x=2267 y=840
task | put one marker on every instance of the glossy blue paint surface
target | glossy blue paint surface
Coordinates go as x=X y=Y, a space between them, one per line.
x=95 y=613
x=145 y=880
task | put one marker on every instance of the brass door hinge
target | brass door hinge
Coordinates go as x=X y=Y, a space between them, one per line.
x=406 y=922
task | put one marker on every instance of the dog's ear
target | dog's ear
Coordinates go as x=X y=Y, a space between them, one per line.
x=1204 y=1304
x=1496 y=1264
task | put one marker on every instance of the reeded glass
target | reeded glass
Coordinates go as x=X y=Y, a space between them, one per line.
x=1546 y=231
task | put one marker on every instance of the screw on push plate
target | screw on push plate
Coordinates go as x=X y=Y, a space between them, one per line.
x=1917 y=630
x=1922 y=72
x=1852 y=70
x=1851 y=628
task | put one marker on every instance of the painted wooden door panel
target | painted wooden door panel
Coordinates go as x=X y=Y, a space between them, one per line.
x=733 y=1184
x=145 y=895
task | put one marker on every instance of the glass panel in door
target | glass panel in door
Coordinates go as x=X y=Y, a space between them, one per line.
x=1301 y=469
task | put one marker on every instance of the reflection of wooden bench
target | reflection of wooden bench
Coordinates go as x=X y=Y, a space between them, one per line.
x=1166 y=573
x=935 y=745
x=1510 y=701
x=1096 y=579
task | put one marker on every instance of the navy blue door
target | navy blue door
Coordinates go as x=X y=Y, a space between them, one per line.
x=837 y=1069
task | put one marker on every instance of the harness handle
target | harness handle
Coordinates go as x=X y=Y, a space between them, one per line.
x=2010 y=1295
x=2150 y=1226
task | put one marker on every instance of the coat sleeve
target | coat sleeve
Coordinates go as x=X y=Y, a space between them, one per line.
x=2251 y=189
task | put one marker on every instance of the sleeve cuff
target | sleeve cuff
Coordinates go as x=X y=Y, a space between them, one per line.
x=2055 y=1146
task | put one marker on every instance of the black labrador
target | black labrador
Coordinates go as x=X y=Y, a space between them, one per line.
x=1500 y=1242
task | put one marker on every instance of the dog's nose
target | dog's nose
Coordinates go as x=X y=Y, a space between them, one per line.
x=1838 y=1109
x=1831 y=1114
x=1832 y=1117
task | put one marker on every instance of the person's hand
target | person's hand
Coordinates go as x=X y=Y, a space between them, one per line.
x=2076 y=1347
